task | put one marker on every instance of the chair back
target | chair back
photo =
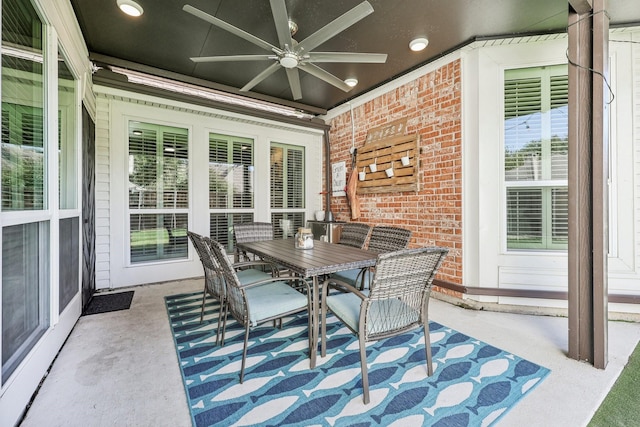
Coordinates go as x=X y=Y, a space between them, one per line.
x=399 y=294
x=236 y=300
x=354 y=234
x=214 y=281
x=388 y=239
x=195 y=240
x=252 y=232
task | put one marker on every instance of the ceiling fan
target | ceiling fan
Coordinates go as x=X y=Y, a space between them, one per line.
x=292 y=55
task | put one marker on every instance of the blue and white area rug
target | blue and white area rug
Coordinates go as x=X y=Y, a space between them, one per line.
x=473 y=384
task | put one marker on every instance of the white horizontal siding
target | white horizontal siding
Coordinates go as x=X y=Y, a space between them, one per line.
x=102 y=199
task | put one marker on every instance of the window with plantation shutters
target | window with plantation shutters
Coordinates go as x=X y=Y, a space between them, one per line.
x=231 y=185
x=535 y=157
x=158 y=192
x=287 y=183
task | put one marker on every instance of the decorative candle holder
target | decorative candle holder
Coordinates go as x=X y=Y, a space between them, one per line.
x=362 y=175
x=373 y=167
x=389 y=171
x=405 y=160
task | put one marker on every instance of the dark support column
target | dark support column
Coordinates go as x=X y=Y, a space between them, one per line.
x=588 y=175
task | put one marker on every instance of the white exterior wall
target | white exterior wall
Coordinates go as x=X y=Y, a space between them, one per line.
x=102 y=199
x=624 y=259
x=114 y=109
x=487 y=263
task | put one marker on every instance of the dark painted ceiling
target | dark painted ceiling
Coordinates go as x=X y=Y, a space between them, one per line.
x=165 y=36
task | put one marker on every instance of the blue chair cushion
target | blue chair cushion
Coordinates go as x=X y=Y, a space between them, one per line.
x=349 y=277
x=347 y=307
x=273 y=299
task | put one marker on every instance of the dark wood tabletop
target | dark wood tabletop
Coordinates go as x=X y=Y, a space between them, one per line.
x=323 y=258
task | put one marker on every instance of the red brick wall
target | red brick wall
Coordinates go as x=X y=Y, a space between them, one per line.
x=432 y=106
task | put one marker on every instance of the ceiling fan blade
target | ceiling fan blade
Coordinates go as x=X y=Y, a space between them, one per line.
x=318 y=72
x=294 y=82
x=232 y=58
x=371 y=58
x=336 y=26
x=228 y=27
x=260 y=77
x=279 y=11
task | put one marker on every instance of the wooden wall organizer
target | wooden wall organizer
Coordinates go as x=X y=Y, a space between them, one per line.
x=383 y=152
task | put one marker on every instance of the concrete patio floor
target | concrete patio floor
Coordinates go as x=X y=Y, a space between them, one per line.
x=120 y=368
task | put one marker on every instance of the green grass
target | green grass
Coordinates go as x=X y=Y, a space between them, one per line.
x=621 y=407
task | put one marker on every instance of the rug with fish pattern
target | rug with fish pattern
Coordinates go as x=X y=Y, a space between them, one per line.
x=473 y=384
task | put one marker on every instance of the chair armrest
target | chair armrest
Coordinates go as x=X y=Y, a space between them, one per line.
x=353 y=290
x=342 y=287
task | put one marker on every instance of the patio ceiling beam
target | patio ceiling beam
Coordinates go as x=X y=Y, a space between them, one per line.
x=581 y=6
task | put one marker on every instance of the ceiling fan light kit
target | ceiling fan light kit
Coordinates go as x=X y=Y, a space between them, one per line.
x=130 y=7
x=289 y=60
x=290 y=54
x=418 y=44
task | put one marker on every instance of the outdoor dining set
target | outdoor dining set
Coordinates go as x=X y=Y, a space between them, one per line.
x=377 y=292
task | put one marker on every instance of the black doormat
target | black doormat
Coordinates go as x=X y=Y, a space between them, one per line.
x=109 y=302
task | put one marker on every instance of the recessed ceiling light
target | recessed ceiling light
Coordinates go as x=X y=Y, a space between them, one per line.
x=130 y=7
x=351 y=82
x=418 y=44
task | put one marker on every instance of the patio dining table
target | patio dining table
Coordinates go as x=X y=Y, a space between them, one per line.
x=320 y=261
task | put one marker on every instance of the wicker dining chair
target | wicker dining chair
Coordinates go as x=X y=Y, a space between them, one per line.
x=214 y=285
x=383 y=239
x=250 y=232
x=251 y=304
x=397 y=302
x=354 y=234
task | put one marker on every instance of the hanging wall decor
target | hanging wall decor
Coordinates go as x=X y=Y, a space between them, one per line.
x=390 y=160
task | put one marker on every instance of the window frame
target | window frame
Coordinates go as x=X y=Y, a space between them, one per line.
x=547 y=184
x=158 y=211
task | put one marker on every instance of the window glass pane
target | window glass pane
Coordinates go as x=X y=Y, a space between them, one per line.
x=25 y=295
x=23 y=155
x=158 y=167
x=277 y=177
x=158 y=181
x=158 y=236
x=175 y=170
x=295 y=178
x=287 y=177
x=524 y=217
x=560 y=216
x=230 y=172
x=523 y=129
x=69 y=274
x=67 y=164
x=559 y=126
